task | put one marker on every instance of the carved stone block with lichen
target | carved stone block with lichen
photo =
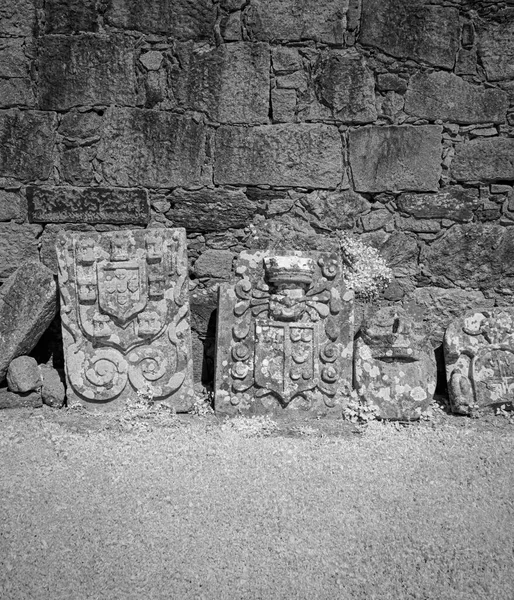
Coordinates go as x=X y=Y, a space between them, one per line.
x=285 y=335
x=479 y=357
x=125 y=317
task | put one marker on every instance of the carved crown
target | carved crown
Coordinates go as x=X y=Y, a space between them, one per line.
x=289 y=269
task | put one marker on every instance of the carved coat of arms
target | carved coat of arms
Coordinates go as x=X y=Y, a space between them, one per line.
x=125 y=311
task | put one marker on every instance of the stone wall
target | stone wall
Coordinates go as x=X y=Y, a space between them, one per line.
x=253 y=121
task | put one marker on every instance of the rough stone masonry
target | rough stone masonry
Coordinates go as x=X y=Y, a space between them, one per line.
x=249 y=120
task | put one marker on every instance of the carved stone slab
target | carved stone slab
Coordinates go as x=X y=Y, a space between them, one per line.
x=125 y=317
x=395 y=367
x=285 y=335
x=479 y=357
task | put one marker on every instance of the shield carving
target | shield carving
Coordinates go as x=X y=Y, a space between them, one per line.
x=285 y=357
x=122 y=289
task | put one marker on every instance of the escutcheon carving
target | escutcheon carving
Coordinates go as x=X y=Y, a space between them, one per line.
x=125 y=316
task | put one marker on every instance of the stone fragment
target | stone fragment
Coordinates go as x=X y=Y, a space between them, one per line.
x=18 y=243
x=396 y=158
x=285 y=59
x=49 y=237
x=484 y=159
x=454 y=202
x=179 y=19
x=12 y=400
x=125 y=316
x=395 y=368
x=466 y=62
x=296 y=20
x=230 y=27
x=23 y=375
x=81 y=125
x=214 y=263
x=334 y=210
x=28 y=303
x=13 y=206
x=390 y=82
x=151 y=60
x=411 y=29
x=16 y=93
x=496 y=49
x=27 y=144
x=88 y=205
x=210 y=209
x=283 y=104
x=17 y=18
x=441 y=95
x=52 y=391
x=230 y=82
x=86 y=69
x=300 y=155
x=377 y=219
x=151 y=149
x=292 y=81
x=346 y=85
x=70 y=16
x=479 y=357
x=285 y=336
x=13 y=61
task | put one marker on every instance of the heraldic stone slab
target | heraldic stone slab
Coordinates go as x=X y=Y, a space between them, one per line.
x=479 y=357
x=285 y=336
x=395 y=367
x=125 y=317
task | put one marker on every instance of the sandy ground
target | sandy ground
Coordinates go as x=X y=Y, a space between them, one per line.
x=190 y=508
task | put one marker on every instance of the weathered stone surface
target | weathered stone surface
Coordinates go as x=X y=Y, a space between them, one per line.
x=48 y=239
x=23 y=375
x=70 y=16
x=396 y=158
x=334 y=210
x=283 y=104
x=16 y=92
x=285 y=59
x=444 y=96
x=411 y=30
x=86 y=69
x=77 y=165
x=17 y=18
x=12 y=400
x=88 y=205
x=390 y=82
x=125 y=315
x=52 y=391
x=347 y=86
x=180 y=19
x=80 y=125
x=27 y=141
x=210 y=209
x=484 y=159
x=18 y=243
x=214 y=263
x=285 y=335
x=28 y=303
x=152 y=149
x=477 y=255
x=496 y=49
x=13 y=206
x=13 y=62
x=395 y=368
x=295 y=20
x=230 y=82
x=455 y=203
x=479 y=356
x=306 y=155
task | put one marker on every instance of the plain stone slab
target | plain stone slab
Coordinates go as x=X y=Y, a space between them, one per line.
x=28 y=303
x=484 y=159
x=17 y=18
x=411 y=29
x=454 y=203
x=395 y=158
x=300 y=155
x=18 y=243
x=12 y=400
x=23 y=375
x=125 y=318
x=441 y=95
x=496 y=49
x=151 y=149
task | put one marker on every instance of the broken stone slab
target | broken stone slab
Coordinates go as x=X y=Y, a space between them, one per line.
x=125 y=317
x=52 y=391
x=454 y=203
x=12 y=400
x=479 y=357
x=28 y=303
x=285 y=336
x=395 y=368
x=23 y=375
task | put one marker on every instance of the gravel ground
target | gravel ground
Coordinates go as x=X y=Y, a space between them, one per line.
x=190 y=508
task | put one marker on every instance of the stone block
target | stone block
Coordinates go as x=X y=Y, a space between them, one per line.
x=229 y=82
x=13 y=61
x=441 y=95
x=18 y=243
x=71 y=16
x=153 y=149
x=210 y=209
x=479 y=357
x=28 y=303
x=27 y=141
x=286 y=60
x=413 y=29
x=396 y=158
x=16 y=92
x=88 y=205
x=179 y=19
x=214 y=263
x=296 y=20
x=484 y=159
x=13 y=206
x=454 y=203
x=23 y=375
x=496 y=49
x=12 y=400
x=17 y=18
x=389 y=82
x=285 y=336
x=125 y=316
x=303 y=155
x=86 y=69
x=80 y=125
x=283 y=104
x=77 y=165
x=395 y=369
x=347 y=86
x=52 y=391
